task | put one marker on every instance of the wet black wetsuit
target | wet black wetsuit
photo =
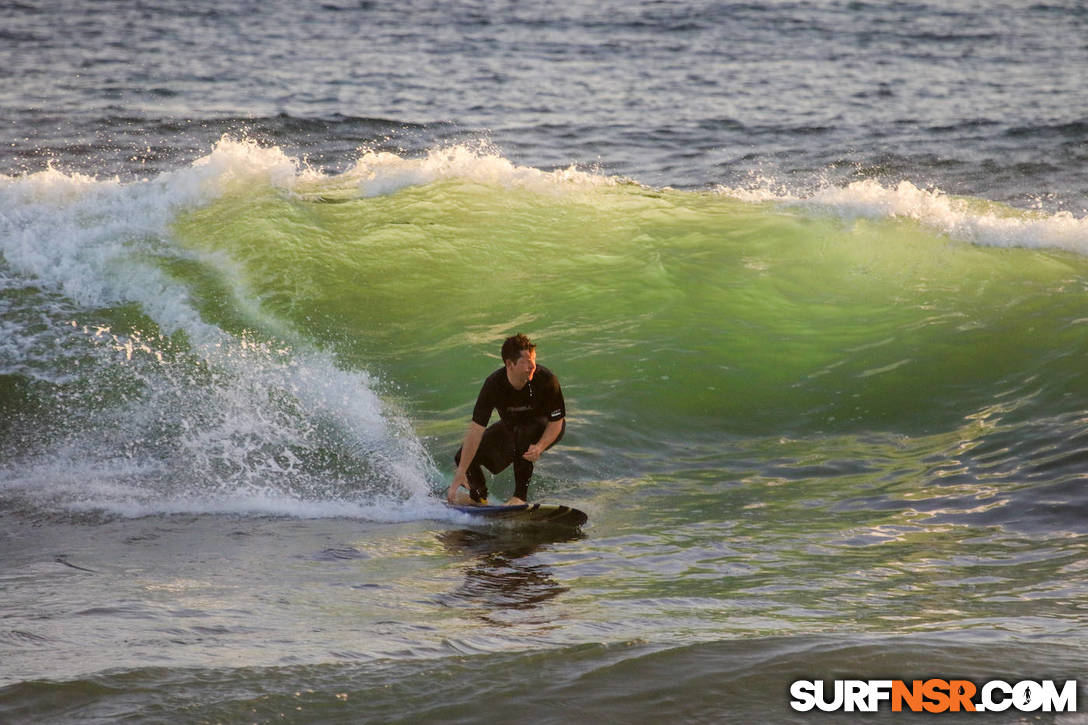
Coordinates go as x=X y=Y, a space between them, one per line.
x=523 y=416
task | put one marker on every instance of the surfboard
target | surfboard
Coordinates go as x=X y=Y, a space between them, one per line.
x=537 y=513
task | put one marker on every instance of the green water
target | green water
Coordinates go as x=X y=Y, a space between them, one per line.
x=714 y=314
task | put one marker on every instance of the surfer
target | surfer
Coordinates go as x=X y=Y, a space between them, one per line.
x=532 y=418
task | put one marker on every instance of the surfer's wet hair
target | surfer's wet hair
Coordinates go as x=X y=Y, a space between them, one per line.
x=513 y=346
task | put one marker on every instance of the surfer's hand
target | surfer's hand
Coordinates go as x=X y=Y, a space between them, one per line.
x=459 y=480
x=532 y=453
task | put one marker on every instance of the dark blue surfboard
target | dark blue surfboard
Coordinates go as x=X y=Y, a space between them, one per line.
x=537 y=513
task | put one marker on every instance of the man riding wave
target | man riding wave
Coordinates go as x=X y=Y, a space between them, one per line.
x=532 y=418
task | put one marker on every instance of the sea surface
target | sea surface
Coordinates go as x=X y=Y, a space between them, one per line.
x=813 y=274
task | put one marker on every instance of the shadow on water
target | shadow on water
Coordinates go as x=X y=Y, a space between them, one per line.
x=502 y=571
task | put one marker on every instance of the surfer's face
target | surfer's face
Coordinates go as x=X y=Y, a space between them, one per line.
x=522 y=371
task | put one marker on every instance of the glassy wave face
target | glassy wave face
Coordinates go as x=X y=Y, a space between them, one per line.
x=249 y=333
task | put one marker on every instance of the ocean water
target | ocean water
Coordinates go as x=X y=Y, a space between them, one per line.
x=813 y=276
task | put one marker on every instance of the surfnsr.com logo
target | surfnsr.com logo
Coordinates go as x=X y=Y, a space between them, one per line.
x=934 y=695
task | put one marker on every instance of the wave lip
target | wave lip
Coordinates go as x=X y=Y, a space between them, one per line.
x=975 y=221
x=380 y=173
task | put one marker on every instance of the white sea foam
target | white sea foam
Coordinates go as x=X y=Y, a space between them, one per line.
x=120 y=487
x=974 y=221
x=379 y=173
x=231 y=435
x=84 y=237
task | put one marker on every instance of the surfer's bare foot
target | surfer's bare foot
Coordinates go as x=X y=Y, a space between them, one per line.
x=515 y=501
x=461 y=498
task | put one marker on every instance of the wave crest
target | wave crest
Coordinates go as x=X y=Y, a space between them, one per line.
x=379 y=173
x=971 y=220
